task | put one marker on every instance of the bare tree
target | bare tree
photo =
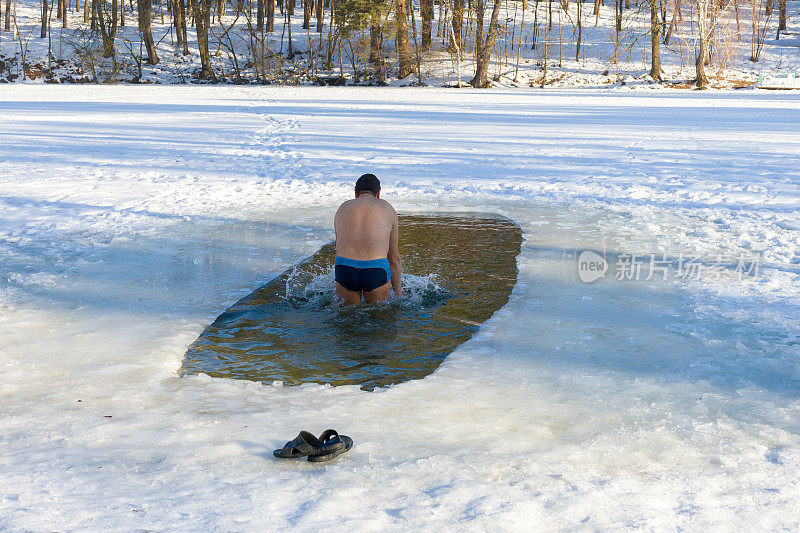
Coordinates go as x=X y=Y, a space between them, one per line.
x=480 y=12
x=319 y=11
x=759 y=25
x=579 y=41
x=184 y=39
x=145 y=14
x=655 y=42
x=375 y=37
x=417 y=51
x=176 y=22
x=458 y=23
x=308 y=10
x=201 y=10
x=8 y=15
x=403 y=46
x=271 y=15
x=485 y=48
x=703 y=36
x=426 y=12
x=673 y=21
x=43 y=33
x=108 y=27
x=522 y=27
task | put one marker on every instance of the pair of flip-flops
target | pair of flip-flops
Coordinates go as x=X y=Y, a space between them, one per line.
x=329 y=445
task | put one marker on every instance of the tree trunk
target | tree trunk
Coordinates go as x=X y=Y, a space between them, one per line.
x=64 y=11
x=8 y=15
x=176 y=22
x=86 y=14
x=288 y=22
x=479 y=14
x=781 y=15
x=107 y=32
x=319 y=10
x=260 y=15
x=145 y=14
x=43 y=33
x=655 y=42
x=670 y=29
x=485 y=49
x=270 y=15
x=442 y=16
x=579 y=5
x=458 y=22
x=426 y=11
x=308 y=9
x=700 y=70
x=700 y=62
x=201 y=10
x=122 y=13
x=375 y=50
x=403 y=46
x=182 y=7
x=417 y=51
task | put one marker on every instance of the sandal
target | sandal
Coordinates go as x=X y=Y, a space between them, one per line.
x=331 y=445
x=300 y=446
x=326 y=447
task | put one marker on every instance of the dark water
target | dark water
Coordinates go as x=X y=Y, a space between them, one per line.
x=461 y=269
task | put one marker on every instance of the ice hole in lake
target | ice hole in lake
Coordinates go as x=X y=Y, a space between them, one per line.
x=457 y=271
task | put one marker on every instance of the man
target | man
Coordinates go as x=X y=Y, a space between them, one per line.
x=367 y=260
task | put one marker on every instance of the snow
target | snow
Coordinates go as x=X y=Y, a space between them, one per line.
x=132 y=216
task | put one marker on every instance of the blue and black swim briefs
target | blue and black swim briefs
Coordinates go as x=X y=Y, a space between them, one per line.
x=355 y=275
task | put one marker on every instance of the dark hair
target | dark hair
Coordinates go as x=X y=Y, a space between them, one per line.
x=368 y=183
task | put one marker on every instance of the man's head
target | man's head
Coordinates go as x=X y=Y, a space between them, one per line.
x=368 y=183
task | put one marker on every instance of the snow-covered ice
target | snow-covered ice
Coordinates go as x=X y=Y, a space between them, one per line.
x=132 y=216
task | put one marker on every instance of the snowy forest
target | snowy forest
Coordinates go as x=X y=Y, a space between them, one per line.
x=537 y=43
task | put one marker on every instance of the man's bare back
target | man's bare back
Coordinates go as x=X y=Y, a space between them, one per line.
x=367 y=257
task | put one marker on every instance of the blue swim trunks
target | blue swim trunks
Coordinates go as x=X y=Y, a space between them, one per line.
x=357 y=276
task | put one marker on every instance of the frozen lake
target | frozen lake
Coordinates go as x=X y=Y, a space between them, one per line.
x=131 y=217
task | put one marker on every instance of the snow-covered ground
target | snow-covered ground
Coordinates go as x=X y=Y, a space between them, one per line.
x=132 y=216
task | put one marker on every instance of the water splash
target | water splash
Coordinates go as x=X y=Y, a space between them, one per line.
x=314 y=286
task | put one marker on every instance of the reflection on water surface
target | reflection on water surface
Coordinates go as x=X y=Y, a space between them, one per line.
x=458 y=270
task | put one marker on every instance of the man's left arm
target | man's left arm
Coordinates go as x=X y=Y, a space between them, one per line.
x=395 y=263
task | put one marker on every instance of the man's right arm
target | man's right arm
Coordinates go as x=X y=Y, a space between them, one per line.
x=395 y=263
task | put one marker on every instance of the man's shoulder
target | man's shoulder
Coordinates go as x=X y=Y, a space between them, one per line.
x=386 y=205
x=345 y=205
